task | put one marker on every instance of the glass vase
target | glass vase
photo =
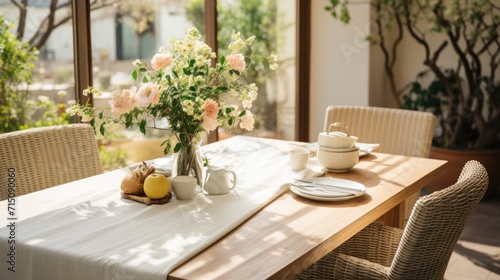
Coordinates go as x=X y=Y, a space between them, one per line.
x=189 y=159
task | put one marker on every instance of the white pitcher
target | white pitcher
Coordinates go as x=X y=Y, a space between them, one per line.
x=217 y=180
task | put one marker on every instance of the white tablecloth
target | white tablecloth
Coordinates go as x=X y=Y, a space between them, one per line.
x=85 y=230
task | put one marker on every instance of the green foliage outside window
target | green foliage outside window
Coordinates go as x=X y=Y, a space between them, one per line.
x=17 y=61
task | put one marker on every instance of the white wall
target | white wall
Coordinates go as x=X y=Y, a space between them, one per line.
x=103 y=32
x=340 y=68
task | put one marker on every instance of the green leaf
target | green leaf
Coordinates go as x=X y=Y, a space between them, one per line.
x=344 y=15
x=145 y=79
x=222 y=89
x=177 y=147
x=222 y=59
x=102 y=130
x=236 y=72
x=168 y=146
x=242 y=113
x=142 y=126
x=134 y=75
x=230 y=121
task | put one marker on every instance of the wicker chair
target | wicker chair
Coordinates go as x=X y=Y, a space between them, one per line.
x=399 y=132
x=422 y=250
x=48 y=156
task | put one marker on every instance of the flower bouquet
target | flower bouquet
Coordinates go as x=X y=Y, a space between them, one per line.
x=182 y=86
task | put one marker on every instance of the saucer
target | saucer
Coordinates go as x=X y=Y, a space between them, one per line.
x=338 y=170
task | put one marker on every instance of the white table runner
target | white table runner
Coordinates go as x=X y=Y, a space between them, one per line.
x=84 y=230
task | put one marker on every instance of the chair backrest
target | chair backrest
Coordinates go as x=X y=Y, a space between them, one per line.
x=435 y=224
x=398 y=131
x=39 y=158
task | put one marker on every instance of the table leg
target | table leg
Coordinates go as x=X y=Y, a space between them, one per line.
x=395 y=216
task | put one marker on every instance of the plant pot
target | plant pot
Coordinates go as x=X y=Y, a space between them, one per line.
x=490 y=159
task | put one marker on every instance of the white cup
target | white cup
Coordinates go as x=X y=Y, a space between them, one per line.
x=184 y=187
x=299 y=158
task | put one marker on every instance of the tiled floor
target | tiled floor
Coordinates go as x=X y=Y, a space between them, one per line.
x=477 y=253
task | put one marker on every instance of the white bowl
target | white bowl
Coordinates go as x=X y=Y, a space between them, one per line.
x=337 y=160
x=336 y=140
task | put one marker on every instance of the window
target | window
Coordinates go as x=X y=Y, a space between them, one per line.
x=273 y=24
x=124 y=30
x=47 y=31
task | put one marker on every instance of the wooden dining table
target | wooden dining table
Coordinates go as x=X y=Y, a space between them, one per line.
x=260 y=230
x=291 y=233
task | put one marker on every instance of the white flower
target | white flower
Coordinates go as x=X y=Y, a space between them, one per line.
x=247 y=104
x=188 y=107
x=236 y=46
x=199 y=79
x=189 y=45
x=194 y=32
x=253 y=87
x=87 y=117
x=252 y=95
x=273 y=58
x=93 y=91
x=233 y=92
x=112 y=127
x=250 y=40
x=73 y=110
x=235 y=112
x=137 y=63
x=200 y=60
x=43 y=99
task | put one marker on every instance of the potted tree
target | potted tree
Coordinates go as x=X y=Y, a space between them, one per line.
x=466 y=97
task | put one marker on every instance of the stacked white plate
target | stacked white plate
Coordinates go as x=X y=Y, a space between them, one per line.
x=364 y=148
x=327 y=189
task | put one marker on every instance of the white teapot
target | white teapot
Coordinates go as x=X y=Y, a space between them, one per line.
x=217 y=180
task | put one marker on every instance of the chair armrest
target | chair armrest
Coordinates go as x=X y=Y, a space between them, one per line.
x=375 y=243
x=349 y=267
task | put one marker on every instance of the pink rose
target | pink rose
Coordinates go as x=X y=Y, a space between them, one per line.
x=211 y=108
x=123 y=102
x=209 y=124
x=161 y=60
x=247 y=121
x=236 y=61
x=147 y=94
